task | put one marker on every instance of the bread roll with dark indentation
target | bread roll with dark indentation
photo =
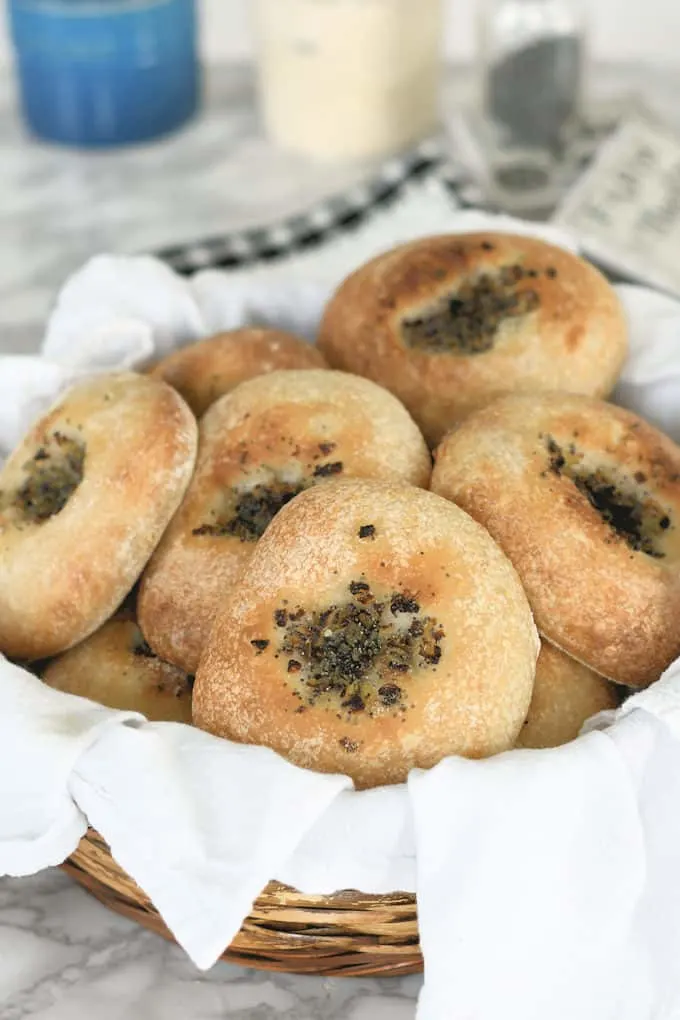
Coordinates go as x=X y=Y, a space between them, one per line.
x=84 y=500
x=115 y=667
x=450 y=323
x=205 y=371
x=584 y=498
x=376 y=628
x=260 y=445
x=566 y=694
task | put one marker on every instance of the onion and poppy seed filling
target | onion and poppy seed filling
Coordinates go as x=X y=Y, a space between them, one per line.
x=246 y=511
x=629 y=509
x=51 y=476
x=356 y=655
x=467 y=320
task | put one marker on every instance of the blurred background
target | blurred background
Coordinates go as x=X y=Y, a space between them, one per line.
x=228 y=132
x=620 y=30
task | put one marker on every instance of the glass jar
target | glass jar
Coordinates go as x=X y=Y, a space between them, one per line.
x=349 y=79
x=105 y=72
x=532 y=70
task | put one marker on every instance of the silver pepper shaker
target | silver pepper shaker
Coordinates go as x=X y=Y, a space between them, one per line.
x=532 y=68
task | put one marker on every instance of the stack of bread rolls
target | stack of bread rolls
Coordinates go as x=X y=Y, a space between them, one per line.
x=428 y=534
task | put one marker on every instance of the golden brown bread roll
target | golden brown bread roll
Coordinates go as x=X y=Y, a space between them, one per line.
x=450 y=323
x=84 y=500
x=207 y=370
x=116 y=667
x=260 y=445
x=566 y=694
x=376 y=628
x=584 y=498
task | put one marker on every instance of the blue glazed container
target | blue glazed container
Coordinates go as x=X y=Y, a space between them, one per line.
x=105 y=72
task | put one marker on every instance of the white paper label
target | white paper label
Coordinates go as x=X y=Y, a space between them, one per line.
x=626 y=207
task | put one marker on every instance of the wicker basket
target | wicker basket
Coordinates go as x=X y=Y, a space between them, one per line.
x=347 y=934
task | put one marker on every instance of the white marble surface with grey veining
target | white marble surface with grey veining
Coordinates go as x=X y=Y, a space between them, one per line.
x=58 y=206
x=62 y=955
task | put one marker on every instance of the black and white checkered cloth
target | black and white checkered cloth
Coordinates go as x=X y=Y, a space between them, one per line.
x=332 y=217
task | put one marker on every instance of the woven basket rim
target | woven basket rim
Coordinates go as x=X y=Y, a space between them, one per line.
x=346 y=933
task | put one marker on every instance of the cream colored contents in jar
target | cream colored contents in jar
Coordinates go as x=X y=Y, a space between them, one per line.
x=349 y=79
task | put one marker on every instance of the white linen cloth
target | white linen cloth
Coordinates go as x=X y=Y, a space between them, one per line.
x=548 y=882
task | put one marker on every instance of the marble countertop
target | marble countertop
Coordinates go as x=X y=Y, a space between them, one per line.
x=62 y=955
x=58 y=206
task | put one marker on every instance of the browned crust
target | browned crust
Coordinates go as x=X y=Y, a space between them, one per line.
x=204 y=371
x=283 y=421
x=606 y=604
x=566 y=694
x=472 y=702
x=63 y=577
x=106 y=669
x=576 y=340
